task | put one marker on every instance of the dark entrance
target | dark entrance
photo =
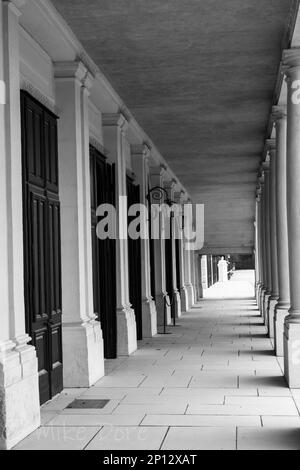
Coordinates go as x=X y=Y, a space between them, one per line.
x=42 y=257
x=104 y=252
x=134 y=262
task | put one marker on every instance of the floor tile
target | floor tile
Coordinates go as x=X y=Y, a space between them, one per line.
x=97 y=420
x=281 y=421
x=268 y=438
x=128 y=438
x=201 y=420
x=58 y=438
x=200 y=439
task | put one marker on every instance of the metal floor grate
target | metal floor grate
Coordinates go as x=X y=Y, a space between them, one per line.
x=87 y=404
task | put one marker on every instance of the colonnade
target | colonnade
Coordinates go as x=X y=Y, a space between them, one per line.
x=278 y=226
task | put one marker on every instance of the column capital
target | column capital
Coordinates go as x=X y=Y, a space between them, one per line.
x=170 y=184
x=156 y=170
x=119 y=120
x=76 y=70
x=270 y=145
x=265 y=168
x=15 y=5
x=279 y=112
x=291 y=62
x=270 y=149
x=141 y=150
x=258 y=192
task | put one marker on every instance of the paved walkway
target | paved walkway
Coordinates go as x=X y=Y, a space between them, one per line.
x=213 y=383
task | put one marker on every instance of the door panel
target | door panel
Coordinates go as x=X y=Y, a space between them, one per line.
x=104 y=253
x=42 y=251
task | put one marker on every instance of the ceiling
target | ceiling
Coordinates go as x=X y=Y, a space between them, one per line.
x=199 y=77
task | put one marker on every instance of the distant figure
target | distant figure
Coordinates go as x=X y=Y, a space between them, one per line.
x=223 y=270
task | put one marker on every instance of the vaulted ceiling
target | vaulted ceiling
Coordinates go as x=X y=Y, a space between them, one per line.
x=199 y=76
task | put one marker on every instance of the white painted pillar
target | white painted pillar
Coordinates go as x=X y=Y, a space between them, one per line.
x=262 y=243
x=140 y=155
x=114 y=128
x=180 y=235
x=19 y=394
x=193 y=274
x=170 y=187
x=292 y=321
x=81 y=333
x=157 y=177
x=273 y=238
x=188 y=266
x=258 y=250
x=282 y=307
x=267 y=238
x=179 y=198
x=204 y=275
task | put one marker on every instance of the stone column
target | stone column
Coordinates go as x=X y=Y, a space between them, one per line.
x=180 y=236
x=204 y=279
x=170 y=188
x=140 y=155
x=262 y=243
x=259 y=245
x=193 y=274
x=273 y=238
x=19 y=393
x=114 y=127
x=267 y=239
x=292 y=321
x=81 y=333
x=188 y=263
x=184 y=288
x=157 y=177
x=257 y=248
x=282 y=307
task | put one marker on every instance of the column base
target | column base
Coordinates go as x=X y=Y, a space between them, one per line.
x=160 y=299
x=279 y=317
x=265 y=309
x=184 y=299
x=177 y=300
x=261 y=300
x=292 y=353
x=271 y=314
x=83 y=361
x=190 y=295
x=19 y=393
x=126 y=331
x=149 y=318
x=257 y=295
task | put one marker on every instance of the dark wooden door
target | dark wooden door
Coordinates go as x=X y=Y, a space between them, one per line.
x=134 y=262
x=169 y=269
x=42 y=247
x=104 y=252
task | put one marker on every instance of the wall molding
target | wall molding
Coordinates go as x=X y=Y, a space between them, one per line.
x=26 y=85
